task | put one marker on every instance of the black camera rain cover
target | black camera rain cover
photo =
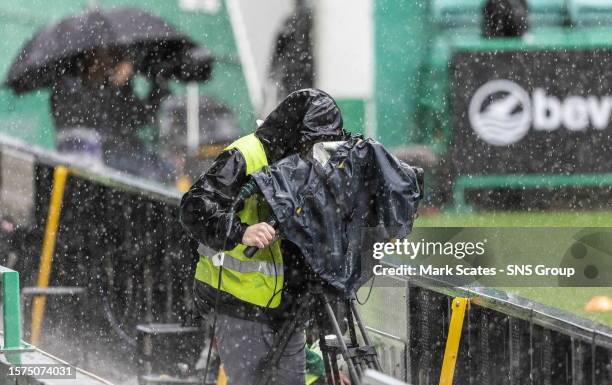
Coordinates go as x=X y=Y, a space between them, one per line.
x=334 y=211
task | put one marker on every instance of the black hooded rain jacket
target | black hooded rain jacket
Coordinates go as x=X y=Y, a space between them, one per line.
x=303 y=118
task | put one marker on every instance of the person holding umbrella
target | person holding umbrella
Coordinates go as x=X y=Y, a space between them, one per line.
x=88 y=60
x=99 y=104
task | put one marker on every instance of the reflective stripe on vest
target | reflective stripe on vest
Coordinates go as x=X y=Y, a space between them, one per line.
x=236 y=264
x=257 y=280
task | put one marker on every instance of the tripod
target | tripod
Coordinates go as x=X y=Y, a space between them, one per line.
x=357 y=357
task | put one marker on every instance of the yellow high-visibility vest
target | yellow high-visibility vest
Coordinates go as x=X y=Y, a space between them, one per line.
x=251 y=280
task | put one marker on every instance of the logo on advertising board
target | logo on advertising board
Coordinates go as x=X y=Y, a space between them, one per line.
x=502 y=112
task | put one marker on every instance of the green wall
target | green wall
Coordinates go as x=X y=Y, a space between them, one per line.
x=27 y=116
x=401 y=45
x=353 y=114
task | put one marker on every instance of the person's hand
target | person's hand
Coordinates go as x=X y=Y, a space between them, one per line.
x=122 y=72
x=259 y=235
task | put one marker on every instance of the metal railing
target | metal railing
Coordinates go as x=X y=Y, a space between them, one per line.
x=17 y=352
x=504 y=339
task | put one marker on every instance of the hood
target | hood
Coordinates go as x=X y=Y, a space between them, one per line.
x=302 y=119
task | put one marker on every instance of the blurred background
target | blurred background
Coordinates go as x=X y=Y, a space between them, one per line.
x=258 y=53
x=404 y=73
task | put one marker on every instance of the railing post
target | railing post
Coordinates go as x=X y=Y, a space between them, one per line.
x=60 y=175
x=11 y=309
x=459 y=306
x=11 y=316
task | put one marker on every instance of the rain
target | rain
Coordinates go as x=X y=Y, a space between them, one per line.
x=306 y=192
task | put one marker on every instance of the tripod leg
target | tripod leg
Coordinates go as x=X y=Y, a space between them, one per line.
x=351 y=323
x=358 y=361
x=355 y=380
x=330 y=358
x=335 y=370
x=363 y=331
x=329 y=376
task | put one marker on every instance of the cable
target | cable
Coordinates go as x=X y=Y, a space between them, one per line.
x=214 y=325
x=251 y=190
x=232 y=214
x=369 y=292
x=274 y=292
x=246 y=191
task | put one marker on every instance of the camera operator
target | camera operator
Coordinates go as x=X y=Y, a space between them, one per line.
x=255 y=294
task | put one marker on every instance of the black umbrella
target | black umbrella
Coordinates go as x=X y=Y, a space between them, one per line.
x=55 y=49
